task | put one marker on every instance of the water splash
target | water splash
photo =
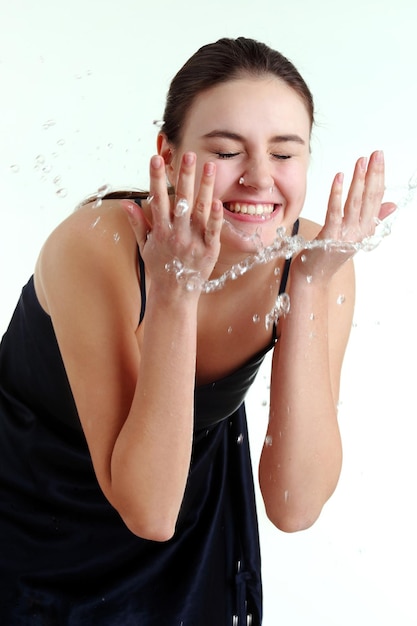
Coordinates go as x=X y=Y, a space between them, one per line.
x=285 y=246
x=281 y=307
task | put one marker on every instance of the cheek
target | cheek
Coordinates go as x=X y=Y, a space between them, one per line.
x=221 y=182
x=294 y=184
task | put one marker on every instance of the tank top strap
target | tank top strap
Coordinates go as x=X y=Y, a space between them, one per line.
x=142 y=287
x=284 y=277
x=286 y=269
x=282 y=285
x=142 y=276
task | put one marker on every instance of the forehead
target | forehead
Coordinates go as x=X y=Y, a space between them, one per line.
x=256 y=103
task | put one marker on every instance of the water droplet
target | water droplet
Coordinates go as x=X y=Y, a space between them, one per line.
x=193 y=282
x=97 y=203
x=15 y=168
x=61 y=193
x=48 y=124
x=103 y=190
x=303 y=258
x=309 y=279
x=181 y=207
x=341 y=299
x=286 y=495
x=256 y=318
x=96 y=221
x=240 y=439
x=61 y=142
x=412 y=183
x=229 y=330
x=40 y=159
x=281 y=307
x=116 y=237
x=268 y=440
x=312 y=317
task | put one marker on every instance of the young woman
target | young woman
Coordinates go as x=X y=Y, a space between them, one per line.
x=126 y=488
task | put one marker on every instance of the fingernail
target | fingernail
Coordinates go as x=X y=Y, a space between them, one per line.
x=156 y=161
x=379 y=156
x=209 y=169
x=189 y=158
x=130 y=207
x=363 y=163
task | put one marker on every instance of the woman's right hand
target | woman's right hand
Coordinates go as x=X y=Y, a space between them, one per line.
x=188 y=232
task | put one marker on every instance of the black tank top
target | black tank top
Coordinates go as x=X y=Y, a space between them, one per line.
x=217 y=400
x=66 y=557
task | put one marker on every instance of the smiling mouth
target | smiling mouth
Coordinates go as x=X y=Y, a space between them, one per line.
x=243 y=208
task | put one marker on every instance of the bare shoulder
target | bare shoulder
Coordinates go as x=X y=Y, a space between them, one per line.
x=92 y=245
x=87 y=280
x=308 y=229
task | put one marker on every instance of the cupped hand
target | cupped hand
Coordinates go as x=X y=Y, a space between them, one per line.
x=184 y=228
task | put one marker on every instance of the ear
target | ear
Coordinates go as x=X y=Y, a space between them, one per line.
x=166 y=151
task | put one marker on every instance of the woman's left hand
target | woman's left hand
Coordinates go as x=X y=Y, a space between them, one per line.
x=361 y=213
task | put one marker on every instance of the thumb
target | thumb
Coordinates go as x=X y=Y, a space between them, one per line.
x=138 y=221
x=386 y=209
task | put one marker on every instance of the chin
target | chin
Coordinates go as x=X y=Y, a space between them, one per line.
x=251 y=230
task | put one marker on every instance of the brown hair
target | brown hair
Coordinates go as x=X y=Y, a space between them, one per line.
x=215 y=63
x=220 y=62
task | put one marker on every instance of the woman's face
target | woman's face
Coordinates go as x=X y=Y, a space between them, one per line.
x=257 y=131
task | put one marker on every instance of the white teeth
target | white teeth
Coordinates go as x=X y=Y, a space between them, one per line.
x=250 y=209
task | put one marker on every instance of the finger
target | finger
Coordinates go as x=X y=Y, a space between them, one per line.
x=159 y=201
x=353 y=204
x=214 y=223
x=204 y=200
x=374 y=191
x=334 y=215
x=387 y=208
x=184 y=188
x=137 y=220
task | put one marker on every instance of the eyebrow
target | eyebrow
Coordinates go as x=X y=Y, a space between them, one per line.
x=225 y=134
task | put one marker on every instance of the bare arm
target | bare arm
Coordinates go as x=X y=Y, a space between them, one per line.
x=301 y=459
x=134 y=387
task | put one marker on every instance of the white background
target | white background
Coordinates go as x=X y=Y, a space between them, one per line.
x=81 y=83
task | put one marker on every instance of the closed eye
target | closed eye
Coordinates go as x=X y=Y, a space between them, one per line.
x=227 y=155
x=281 y=156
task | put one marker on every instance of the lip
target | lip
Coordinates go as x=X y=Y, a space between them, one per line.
x=249 y=217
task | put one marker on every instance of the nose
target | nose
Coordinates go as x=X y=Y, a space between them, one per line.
x=258 y=174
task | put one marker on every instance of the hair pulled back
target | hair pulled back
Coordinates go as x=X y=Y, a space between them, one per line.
x=219 y=62
x=213 y=64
